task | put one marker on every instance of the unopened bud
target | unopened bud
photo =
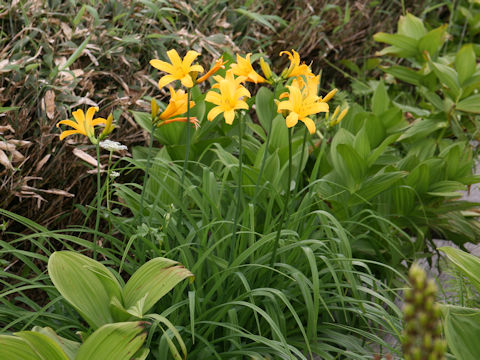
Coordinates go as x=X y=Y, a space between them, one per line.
x=267 y=71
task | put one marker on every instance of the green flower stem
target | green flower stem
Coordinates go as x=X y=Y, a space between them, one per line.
x=239 y=190
x=187 y=153
x=264 y=160
x=301 y=161
x=99 y=203
x=109 y=170
x=142 y=195
x=147 y=170
x=287 y=198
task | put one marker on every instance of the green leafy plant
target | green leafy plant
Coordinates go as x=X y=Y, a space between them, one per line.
x=462 y=324
x=121 y=340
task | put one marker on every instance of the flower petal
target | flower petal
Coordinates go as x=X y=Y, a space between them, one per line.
x=68 y=122
x=316 y=107
x=79 y=117
x=90 y=112
x=309 y=124
x=213 y=97
x=165 y=80
x=162 y=65
x=66 y=133
x=292 y=119
x=241 y=105
x=241 y=92
x=229 y=116
x=212 y=114
x=285 y=105
x=174 y=58
x=99 y=121
x=187 y=81
x=189 y=58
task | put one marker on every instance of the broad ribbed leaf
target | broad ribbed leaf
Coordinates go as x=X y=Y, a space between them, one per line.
x=433 y=41
x=375 y=185
x=264 y=107
x=46 y=348
x=86 y=284
x=119 y=341
x=151 y=281
x=404 y=73
x=447 y=77
x=15 y=348
x=462 y=331
x=471 y=104
x=412 y=26
x=465 y=63
x=380 y=99
x=465 y=262
x=68 y=346
x=355 y=165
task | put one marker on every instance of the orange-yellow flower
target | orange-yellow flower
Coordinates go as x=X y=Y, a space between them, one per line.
x=178 y=69
x=244 y=67
x=295 y=68
x=230 y=97
x=309 y=82
x=177 y=105
x=83 y=124
x=219 y=64
x=302 y=103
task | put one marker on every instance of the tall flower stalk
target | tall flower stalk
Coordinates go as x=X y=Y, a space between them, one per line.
x=84 y=124
x=239 y=189
x=99 y=202
x=301 y=102
x=287 y=199
x=186 y=72
x=187 y=154
x=147 y=168
x=228 y=100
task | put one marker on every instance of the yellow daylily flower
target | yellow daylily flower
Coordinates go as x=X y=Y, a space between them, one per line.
x=193 y=120
x=244 y=67
x=219 y=64
x=178 y=69
x=308 y=82
x=301 y=104
x=176 y=106
x=83 y=124
x=230 y=97
x=295 y=68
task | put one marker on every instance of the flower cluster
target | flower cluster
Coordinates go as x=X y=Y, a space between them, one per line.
x=423 y=329
x=299 y=102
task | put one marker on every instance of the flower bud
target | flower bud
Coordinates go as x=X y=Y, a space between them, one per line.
x=154 y=107
x=267 y=71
